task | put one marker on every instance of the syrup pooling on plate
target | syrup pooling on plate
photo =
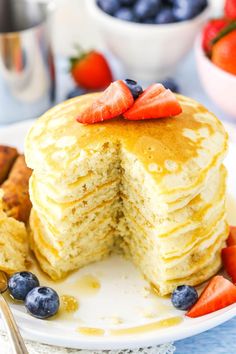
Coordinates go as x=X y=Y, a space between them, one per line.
x=70 y=291
x=165 y=323
x=86 y=285
x=90 y=331
x=78 y=288
x=161 y=324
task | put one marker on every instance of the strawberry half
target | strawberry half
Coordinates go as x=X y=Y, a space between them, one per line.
x=229 y=261
x=231 y=241
x=114 y=101
x=218 y=294
x=155 y=102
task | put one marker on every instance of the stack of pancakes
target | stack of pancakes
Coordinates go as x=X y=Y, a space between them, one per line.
x=154 y=189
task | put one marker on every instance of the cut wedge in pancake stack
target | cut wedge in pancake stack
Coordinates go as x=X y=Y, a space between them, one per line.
x=155 y=189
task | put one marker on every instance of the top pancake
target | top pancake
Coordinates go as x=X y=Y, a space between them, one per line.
x=177 y=153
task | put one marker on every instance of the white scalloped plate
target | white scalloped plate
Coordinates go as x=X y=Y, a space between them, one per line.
x=122 y=300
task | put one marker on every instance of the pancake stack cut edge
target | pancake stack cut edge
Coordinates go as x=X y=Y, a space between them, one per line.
x=154 y=190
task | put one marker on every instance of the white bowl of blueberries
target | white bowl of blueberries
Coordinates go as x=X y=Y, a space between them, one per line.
x=150 y=37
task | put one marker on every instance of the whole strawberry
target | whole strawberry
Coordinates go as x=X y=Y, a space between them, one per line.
x=90 y=70
x=223 y=52
x=230 y=9
x=210 y=31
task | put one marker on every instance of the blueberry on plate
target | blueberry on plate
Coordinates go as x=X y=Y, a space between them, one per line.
x=134 y=87
x=184 y=297
x=165 y=15
x=186 y=9
x=109 y=6
x=146 y=8
x=125 y=13
x=21 y=283
x=42 y=302
x=77 y=91
x=170 y=84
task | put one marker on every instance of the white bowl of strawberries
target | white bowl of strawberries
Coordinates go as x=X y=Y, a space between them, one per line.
x=215 y=50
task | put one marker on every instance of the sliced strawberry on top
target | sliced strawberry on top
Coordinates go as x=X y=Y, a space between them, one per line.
x=231 y=241
x=155 y=102
x=114 y=101
x=218 y=294
x=229 y=261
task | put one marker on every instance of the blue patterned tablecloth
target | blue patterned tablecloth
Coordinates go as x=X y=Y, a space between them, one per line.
x=219 y=340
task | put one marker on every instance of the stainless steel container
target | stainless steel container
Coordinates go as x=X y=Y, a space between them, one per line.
x=27 y=74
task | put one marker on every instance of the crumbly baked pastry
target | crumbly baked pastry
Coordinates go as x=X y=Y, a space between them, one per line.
x=13 y=242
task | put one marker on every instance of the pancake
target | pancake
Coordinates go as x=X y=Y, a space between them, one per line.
x=13 y=242
x=153 y=189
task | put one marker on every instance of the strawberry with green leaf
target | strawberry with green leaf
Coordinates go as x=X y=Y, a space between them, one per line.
x=90 y=70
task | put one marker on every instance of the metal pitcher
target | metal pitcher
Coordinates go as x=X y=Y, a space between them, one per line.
x=27 y=73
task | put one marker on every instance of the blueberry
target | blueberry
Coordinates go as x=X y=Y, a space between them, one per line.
x=170 y=84
x=42 y=302
x=203 y=4
x=126 y=14
x=109 y=6
x=165 y=15
x=187 y=9
x=20 y=284
x=146 y=8
x=77 y=91
x=134 y=87
x=127 y=2
x=184 y=297
x=149 y=20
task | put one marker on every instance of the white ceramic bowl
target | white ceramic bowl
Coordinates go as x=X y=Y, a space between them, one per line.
x=218 y=84
x=148 y=51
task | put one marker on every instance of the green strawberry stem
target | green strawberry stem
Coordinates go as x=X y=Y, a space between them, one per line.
x=229 y=28
x=81 y=54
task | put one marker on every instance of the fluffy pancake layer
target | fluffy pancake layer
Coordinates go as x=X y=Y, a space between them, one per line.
x=13 y=242
x=155 y=188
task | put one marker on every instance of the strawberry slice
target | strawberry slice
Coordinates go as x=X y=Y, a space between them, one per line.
x=218 y=294
x=232 y=236
x=229 y=261
x=115 y=100
x=155 y=102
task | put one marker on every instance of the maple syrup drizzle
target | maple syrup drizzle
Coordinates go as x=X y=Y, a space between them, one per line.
x=168 y=322
x=90 y=331
x=165 y=323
